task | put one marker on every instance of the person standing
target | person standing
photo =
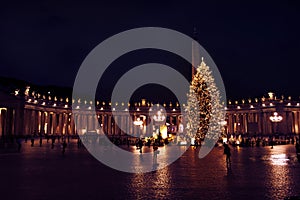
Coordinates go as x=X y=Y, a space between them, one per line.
x=155 y=152
x=53 y=141
x=64 y=146
x=140 y=145
x=228 y=155
x=41 y=140
x=32 y=140
x=19 y=142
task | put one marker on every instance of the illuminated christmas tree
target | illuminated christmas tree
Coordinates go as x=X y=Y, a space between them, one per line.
x=204 y=109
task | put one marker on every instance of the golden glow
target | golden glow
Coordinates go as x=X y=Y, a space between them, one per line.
x=271 y=95
x=164 y=131
x=66 y=106
x=54 y=105
x=3 y=109
x=27 y=91
x=143 y=102
x=45 y=127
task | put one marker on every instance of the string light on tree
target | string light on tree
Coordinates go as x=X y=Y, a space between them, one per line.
x=205 y=111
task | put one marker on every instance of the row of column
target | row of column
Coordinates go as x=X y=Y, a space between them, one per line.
x=45 y=122
x=260 y=123
x=105 y=123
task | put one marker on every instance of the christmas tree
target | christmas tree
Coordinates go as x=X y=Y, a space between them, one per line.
x=204 y=109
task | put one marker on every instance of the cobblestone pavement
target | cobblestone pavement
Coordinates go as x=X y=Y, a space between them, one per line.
x=44 y=173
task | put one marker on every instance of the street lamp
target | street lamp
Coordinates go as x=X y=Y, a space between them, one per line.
x=276 y=118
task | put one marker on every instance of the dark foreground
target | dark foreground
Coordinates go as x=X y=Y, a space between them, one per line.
x=44 y=173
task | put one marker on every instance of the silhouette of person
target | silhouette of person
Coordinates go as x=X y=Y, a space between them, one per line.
x=19 y=142
x=228 y=155
x=64 y=146
x=140 y=145
x=155 y=152
x=32 y=140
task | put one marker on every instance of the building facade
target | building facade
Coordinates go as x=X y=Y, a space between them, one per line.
x=22 y=114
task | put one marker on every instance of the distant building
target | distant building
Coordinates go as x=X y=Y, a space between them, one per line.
x=24 y=112
x=263 y=116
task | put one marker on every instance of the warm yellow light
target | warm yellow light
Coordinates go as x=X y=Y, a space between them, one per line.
x=164 y=131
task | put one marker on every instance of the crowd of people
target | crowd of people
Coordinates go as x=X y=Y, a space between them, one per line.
x=37 y=139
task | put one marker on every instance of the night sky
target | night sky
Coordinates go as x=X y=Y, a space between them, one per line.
x=256 y=46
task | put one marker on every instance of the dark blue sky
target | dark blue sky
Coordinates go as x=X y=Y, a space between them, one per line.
x=255 y=45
